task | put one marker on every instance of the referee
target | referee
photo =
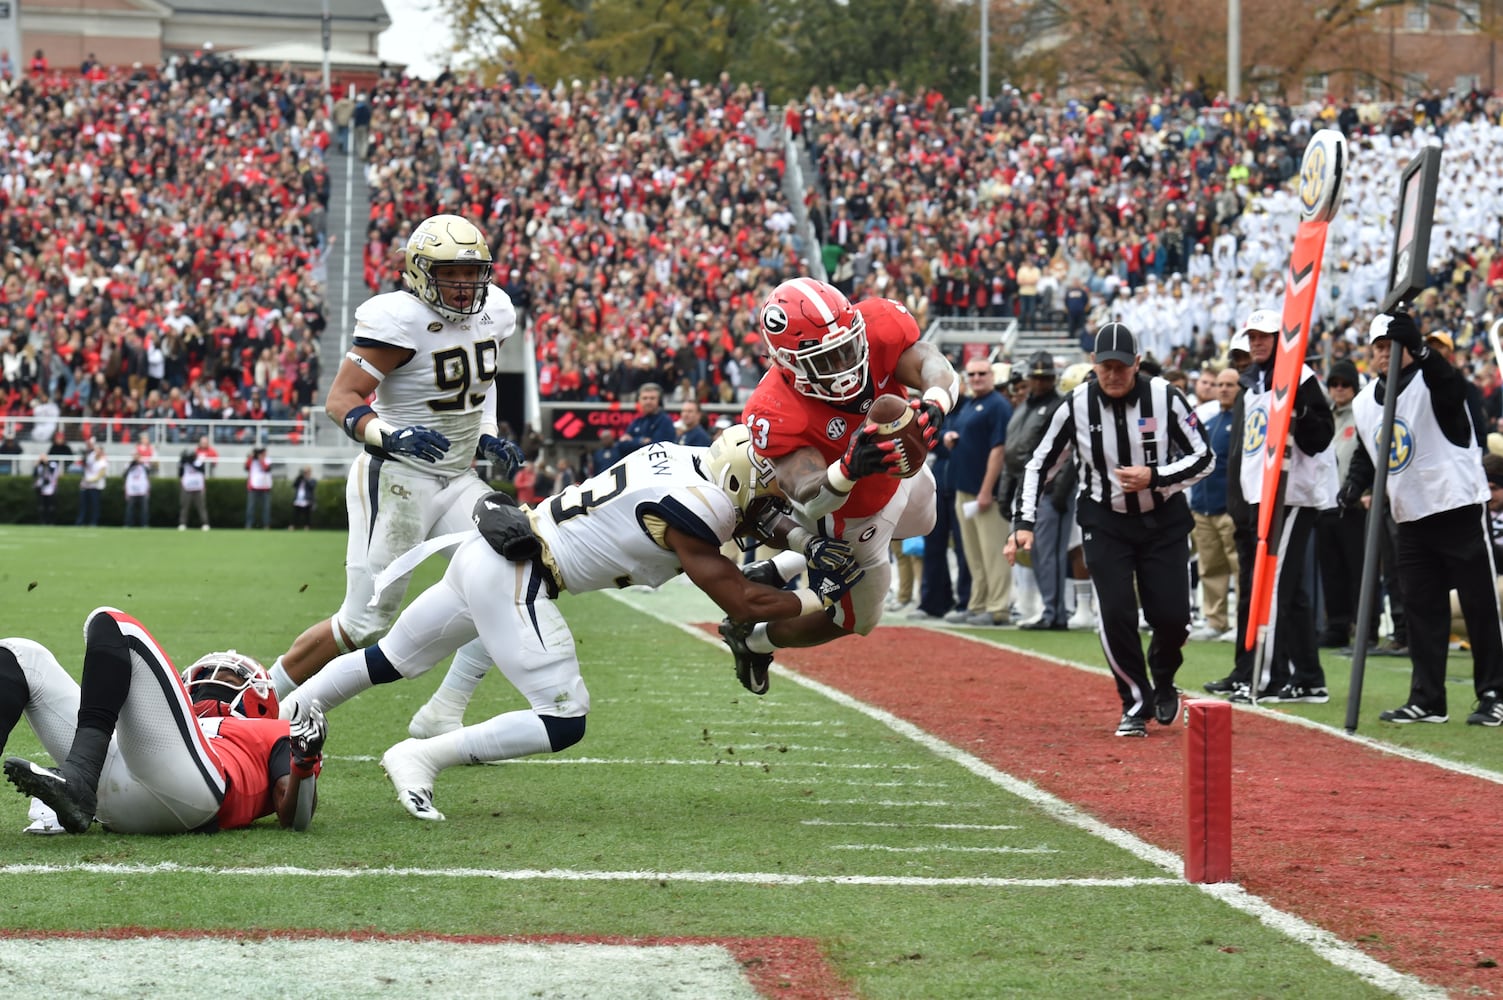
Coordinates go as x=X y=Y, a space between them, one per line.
x=1137 y=447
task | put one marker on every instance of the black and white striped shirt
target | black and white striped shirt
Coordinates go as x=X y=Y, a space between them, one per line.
x=1152 y=425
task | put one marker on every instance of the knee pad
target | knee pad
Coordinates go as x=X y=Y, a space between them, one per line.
x=563 y=733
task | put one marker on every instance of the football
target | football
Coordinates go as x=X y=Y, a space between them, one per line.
x=894 y=420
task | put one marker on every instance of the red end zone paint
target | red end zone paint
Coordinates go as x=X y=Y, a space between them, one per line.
x=783 y=967
x=1397 y=857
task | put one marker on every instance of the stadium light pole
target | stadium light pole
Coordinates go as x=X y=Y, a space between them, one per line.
x=1233 y=50
x=986 y=43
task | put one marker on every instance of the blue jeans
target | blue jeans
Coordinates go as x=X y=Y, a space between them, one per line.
x=88 y=507
x=258 y=503
x=136 y=511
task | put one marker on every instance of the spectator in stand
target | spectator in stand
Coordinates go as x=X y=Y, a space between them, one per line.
x=652 y=425
x=61 y=451
x=193 y=470
x=9 y=446
x=258 y=481
x=44 y=477
x=96 y=470
x=137 y=493
x=304 y=490
x=44 y=414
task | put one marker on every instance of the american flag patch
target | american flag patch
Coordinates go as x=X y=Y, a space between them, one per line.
x=1148 y=425
x=1192 y=420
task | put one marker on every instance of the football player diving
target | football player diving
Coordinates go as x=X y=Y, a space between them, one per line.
x=428 y=353
x=147 y=751
x=661 y=510
x=831 y=360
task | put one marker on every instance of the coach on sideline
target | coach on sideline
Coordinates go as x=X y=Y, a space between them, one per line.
x=1137 y=448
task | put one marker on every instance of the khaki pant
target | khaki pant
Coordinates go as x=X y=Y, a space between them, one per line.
x=1217 y=554
x=984 y=536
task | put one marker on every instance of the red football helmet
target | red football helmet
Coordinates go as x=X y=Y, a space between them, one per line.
x=813 y=331
x=235 y=681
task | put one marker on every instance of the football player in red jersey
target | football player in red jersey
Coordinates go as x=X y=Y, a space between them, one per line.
x=147 y=751
x=831 y=360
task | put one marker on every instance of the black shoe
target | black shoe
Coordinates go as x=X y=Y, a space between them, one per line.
x=74 y=806
x=1165 y=704
x=751 y=668
x=1332 y=639
x=1389 y=647
x=1224 y=686
x=1043 y=626
x=1489 y=712
x=1406 y=714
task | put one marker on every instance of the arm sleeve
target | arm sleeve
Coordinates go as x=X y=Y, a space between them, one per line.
x=1057 y=436
x=1313 y=427
x=1189 y=437
x=1448 y=398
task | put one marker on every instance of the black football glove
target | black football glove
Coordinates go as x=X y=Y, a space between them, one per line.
x=832 y=569
x=865 y=456
x=931 y=418
x=505 y=456
x=1404 y=331
x=415 y=441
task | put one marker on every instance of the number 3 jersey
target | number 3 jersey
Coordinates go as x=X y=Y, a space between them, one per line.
x=609 y=531
x=452 y=369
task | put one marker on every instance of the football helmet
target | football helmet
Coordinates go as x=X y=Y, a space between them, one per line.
x=235 y=681
x=813 y=332
x=747 y=478
x=449 y=266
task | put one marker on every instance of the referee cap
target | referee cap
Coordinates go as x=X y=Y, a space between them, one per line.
x=1264 y=321
x=1115 y=342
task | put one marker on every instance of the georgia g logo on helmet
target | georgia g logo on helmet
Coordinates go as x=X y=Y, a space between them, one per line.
x=774 y=319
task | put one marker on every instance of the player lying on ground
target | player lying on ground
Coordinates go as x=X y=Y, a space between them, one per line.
x=662 y=510
x=147 y=751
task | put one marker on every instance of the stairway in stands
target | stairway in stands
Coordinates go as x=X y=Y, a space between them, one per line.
x=349 y=213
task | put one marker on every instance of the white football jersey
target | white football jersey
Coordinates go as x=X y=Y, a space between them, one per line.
x=445 y=383
x=609 y=530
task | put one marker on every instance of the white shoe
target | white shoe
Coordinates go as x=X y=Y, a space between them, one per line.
x=1230 y=635
x=412 y=776
x=43 y=820
x=1083 y=619
x=182 y=527
x=206 y=527
x=430 y=721
x=1205 y=634
x=1032 y=619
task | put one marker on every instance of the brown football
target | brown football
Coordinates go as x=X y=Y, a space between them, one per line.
x=894 y=419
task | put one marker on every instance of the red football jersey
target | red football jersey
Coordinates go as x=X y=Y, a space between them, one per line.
x=782 y=420
x=251 y=760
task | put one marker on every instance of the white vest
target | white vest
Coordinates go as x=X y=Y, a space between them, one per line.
x=1312 y=478
x=1427 y=474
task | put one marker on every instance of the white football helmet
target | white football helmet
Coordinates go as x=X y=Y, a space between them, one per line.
x=449 y=266
x=747 y=478
x=235 y=681
x=814 y=332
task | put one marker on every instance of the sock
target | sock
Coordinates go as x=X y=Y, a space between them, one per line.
x=14 y=693
x=471 y=664
x=284 y=684
x=86 y=759
x=513 y=734
x=759 y=641
x=344 y=678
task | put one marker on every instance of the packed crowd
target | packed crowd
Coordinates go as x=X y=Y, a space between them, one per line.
x=640 y=222
x=162 y=241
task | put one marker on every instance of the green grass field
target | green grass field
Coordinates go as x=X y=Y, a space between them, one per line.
x=690 y=809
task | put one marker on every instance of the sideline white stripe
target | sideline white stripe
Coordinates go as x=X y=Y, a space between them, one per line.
x=1392 y=749
x=566 y=875
x=1325 y=944
x=984 y=827
x=630 y=762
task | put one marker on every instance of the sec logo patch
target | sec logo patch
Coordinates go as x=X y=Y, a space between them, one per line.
x=836 y=428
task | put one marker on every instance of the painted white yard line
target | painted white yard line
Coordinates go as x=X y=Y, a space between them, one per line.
x=938 y=848
x=1334 y=950
x=656 y=762
x=566 y=875
x=983 y=827
x=862 y=784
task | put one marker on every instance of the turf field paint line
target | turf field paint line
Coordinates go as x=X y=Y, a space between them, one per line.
x=658 y=762
x=566 y=875
x=939 y=849
x=1327 y=945
x=982 y=827
x=894 y=804
x=860 y=784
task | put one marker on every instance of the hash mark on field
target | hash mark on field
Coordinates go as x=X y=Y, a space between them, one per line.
x=910 y=826
x=566 y=875
x=929 y=848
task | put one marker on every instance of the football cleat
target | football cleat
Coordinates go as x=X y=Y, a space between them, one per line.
x=412 y=776
x=74 y=807
x=751 y=668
